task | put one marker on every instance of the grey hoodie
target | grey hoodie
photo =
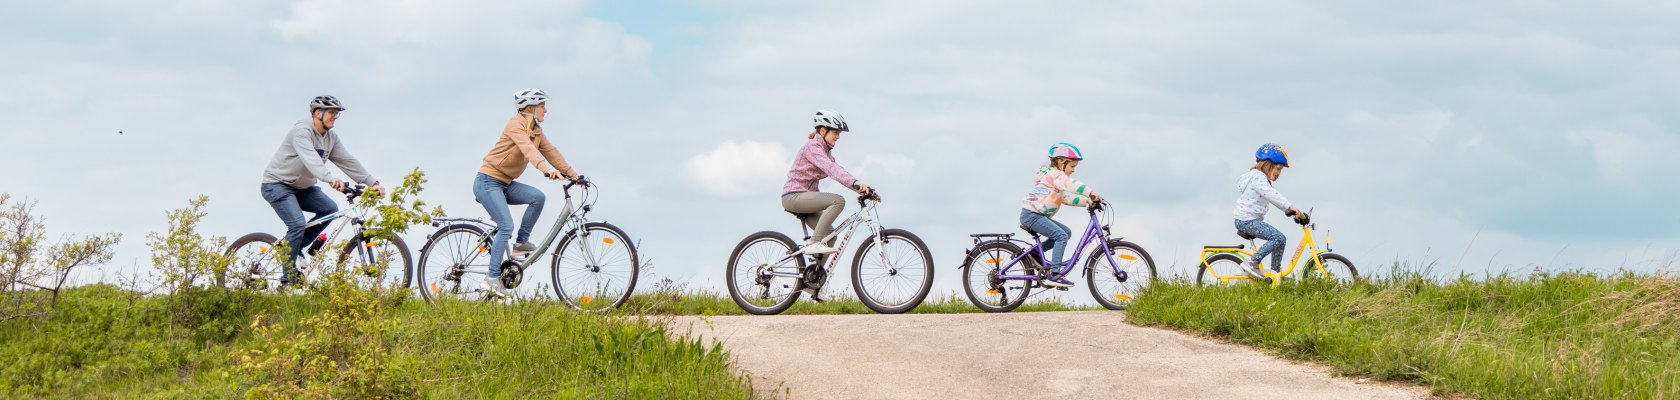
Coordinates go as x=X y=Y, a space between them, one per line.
x=302 y=159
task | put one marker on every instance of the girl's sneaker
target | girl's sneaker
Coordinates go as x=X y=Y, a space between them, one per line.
x=494 y=287
x=1058 y=281
x=1252 y=268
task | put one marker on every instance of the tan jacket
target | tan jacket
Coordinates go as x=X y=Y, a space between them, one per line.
x=523 y=142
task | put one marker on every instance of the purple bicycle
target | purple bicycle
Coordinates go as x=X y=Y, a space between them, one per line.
x=999 y=273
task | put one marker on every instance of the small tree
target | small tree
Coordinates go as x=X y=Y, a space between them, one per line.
x=184 y=256
x=33 y=272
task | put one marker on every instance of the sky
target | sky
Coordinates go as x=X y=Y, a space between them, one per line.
x=1461 y=137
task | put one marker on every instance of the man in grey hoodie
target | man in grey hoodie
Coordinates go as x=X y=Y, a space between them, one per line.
x=289 y=181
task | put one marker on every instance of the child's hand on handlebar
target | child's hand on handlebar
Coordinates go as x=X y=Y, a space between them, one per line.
x=1096 y=198
x=862 y=188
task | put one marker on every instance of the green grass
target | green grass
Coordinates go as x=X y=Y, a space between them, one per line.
x=1566 y=335
x=103 y=342
x=677 y=301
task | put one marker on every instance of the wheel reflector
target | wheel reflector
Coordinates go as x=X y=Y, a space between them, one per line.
x=1127 y=257
x=481 y=248
x=435 y=289
x=1122 y=296
x=368 y=244
x=262 y=249
x=993 y=260
x=607 y=240
x=587 y=299
x=993 y=291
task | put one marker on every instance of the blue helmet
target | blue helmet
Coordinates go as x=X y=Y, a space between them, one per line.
x=1272 y=152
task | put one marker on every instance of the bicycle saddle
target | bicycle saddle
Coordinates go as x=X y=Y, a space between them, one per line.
x=1029 y=231
x=801 y=216
x=1245 y=235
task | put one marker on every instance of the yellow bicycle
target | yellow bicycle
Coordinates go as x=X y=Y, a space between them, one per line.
x=1219 y=260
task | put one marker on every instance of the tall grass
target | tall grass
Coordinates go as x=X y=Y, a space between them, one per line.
x=1546 y=335
x=104 y=342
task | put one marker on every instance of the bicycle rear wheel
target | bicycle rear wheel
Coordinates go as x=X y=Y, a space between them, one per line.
x=1105 y=282
x=981 y=282
x=751 y=281
x=894 y=277
x=452 y=263
x=255 y=263
x=1226 y=262
x=600 y=272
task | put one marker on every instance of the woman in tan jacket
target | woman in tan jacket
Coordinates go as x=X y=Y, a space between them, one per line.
x=522 y=143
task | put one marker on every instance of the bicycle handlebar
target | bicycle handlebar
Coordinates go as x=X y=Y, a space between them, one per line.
x=580 y=180
x=871 y=195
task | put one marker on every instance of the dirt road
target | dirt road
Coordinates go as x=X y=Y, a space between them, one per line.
x=1085 y=355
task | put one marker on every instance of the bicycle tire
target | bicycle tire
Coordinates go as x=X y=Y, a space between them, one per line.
x=1330 y=260
x=894 y=306
x=991 y=256
x=615 y=238
x=378 y=278
x=246 y=271
x=770 y=239
x=1109 y=296
x=432 y=287
x=1205 y=278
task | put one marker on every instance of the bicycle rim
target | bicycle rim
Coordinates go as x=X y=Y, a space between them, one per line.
x=895 y=276
x=452 y=265
x=595 y=270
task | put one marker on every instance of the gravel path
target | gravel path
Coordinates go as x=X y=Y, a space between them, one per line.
x=1085 y=355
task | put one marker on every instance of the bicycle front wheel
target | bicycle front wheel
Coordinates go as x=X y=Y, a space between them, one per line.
x=1114 y=285
x=895 y=276
x=452 y=263
x=595 y=268
x=1340 y=269
x=758 y=274
x=378 y=263
x=255 y=263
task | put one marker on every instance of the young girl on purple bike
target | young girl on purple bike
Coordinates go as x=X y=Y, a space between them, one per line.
x=1054 y=187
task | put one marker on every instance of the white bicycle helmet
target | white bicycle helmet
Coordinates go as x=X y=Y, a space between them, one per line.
x=529 y=97
x=832 y=120
x=325 y=102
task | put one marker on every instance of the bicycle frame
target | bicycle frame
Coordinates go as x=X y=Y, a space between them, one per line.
x=1093 y=230
x=570 y=218
x=1306 y=243
x=866 y=216
x=358 y=215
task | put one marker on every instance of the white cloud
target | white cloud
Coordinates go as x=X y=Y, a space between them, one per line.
x=740 y=168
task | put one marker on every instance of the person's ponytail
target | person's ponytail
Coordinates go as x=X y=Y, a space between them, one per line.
x=813 y=135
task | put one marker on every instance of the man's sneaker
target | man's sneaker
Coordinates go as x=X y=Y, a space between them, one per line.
x=522 y=249
x=816 y=248
x=494 y=286
x=1252 y=268
x=1059 y=281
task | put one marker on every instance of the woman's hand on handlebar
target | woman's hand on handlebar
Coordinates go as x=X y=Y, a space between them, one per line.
x=553 y=175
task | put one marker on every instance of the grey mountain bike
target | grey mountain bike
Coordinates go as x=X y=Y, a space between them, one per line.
x=891 y=272
x=594 y=266
x=256 y=256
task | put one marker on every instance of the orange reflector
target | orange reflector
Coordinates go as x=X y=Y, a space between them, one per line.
x=435 y=289
x=1122 y=296
x=262 y=249
x=993 y=291
x=993 y=260
x=481 y=248
x=1128 y=257
x=587 y=299
x=607 y=240
x=368 y=244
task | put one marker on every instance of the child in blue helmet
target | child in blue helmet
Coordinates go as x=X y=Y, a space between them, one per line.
x=1254 y=194
x=1053 y=187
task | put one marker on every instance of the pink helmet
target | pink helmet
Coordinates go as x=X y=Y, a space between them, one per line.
x=1066 y=150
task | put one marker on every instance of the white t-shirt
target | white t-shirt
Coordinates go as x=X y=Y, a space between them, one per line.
x=1254 y=191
